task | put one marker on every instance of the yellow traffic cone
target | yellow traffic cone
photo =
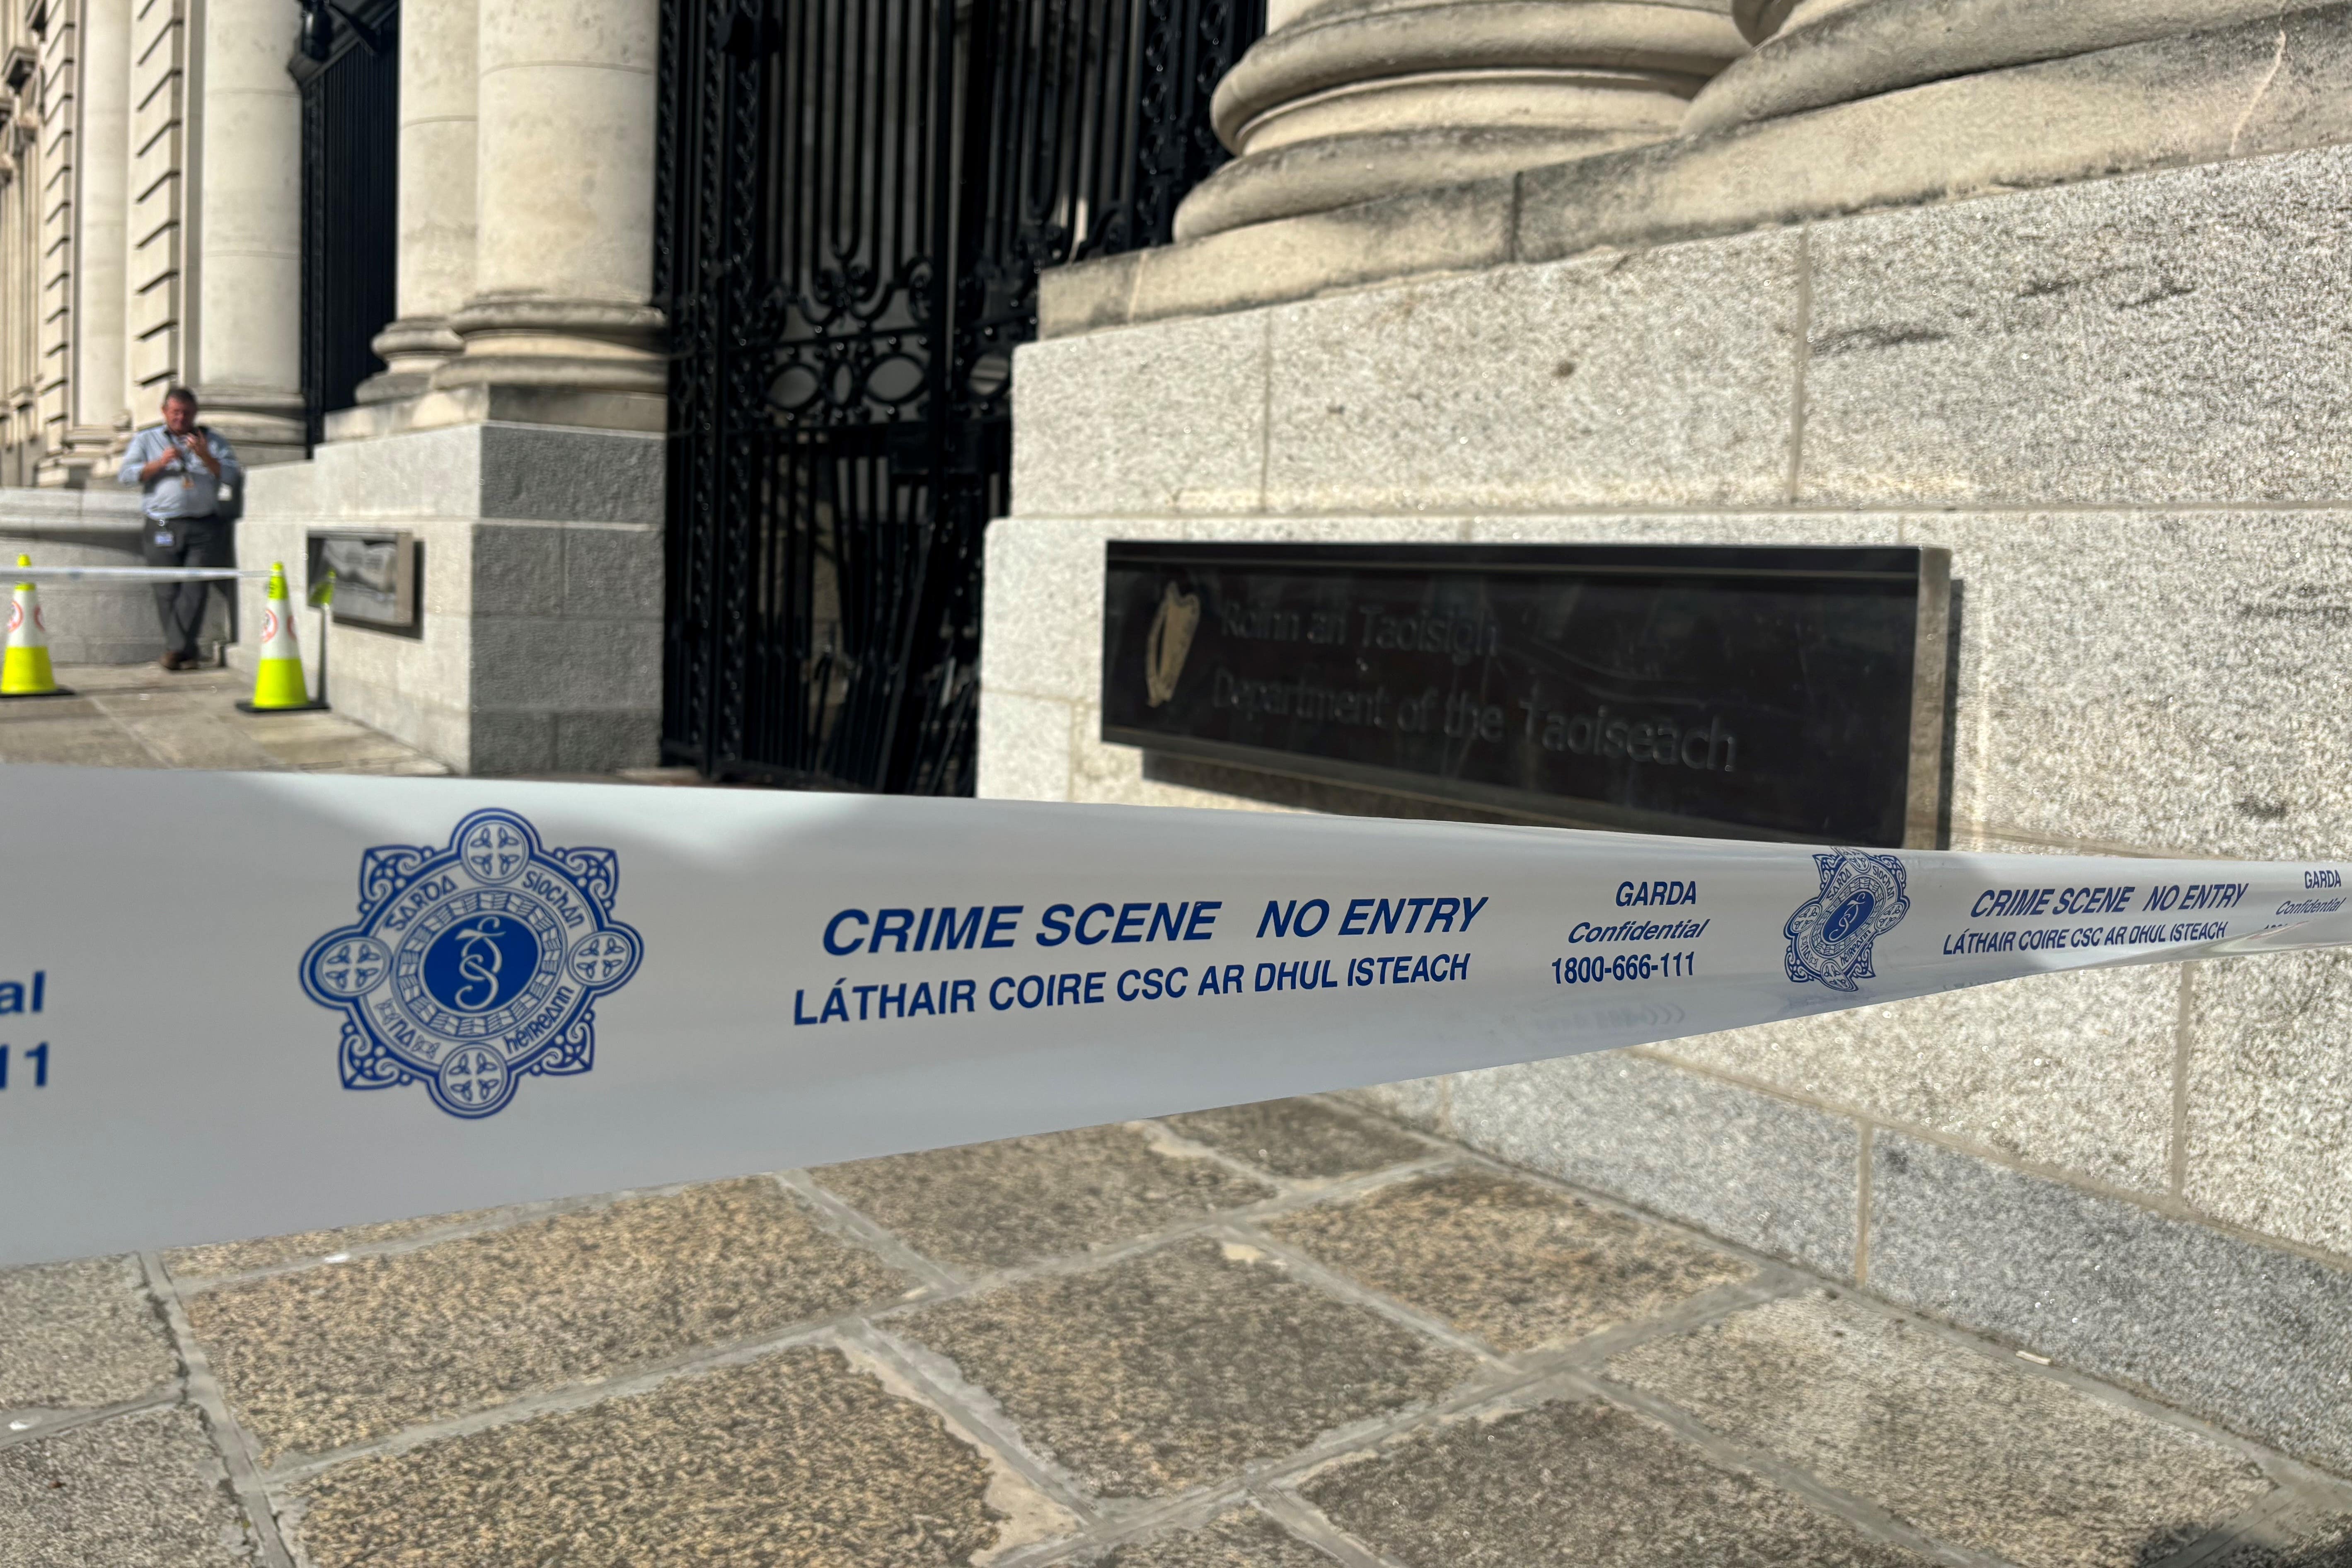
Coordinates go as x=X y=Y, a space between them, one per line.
x=278 y=684
x=24 y=668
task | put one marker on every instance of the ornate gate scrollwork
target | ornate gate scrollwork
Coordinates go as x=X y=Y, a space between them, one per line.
x=854 y=199
x=346 y=64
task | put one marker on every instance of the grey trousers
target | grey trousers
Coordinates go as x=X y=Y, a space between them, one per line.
x=186 y=541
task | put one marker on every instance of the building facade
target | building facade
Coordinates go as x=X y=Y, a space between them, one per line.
x=136 y=250
x=666 y=338
x=2060 y=289
x=151 y=233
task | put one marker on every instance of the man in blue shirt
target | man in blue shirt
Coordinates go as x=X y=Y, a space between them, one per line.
x=188 y=471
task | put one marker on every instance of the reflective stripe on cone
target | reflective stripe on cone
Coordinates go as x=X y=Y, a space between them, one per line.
x=277 y=678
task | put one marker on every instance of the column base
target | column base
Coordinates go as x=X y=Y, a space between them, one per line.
x=1332 y=171
x=2257 y=90
x=575 y=345
x=430 y=408
x=1358 y=99
x=87 y=456
x=412 y=349
x=266 y=425
x=1812 y=54
x=58 y=471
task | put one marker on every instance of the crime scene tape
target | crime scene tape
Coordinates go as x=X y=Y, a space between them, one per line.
x=132 y=573
x=406 y=996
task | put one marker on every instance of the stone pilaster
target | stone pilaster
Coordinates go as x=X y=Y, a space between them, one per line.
x=1347 y=101
x=559 y=328
x=245 y=351
x=438 y=43
x=96 y=414
x=55 y=83
x=20 y=232
x=156 y=272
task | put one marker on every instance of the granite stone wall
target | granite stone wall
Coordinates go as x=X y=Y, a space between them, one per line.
x=539 y=646
x=91 y=623
x=2125 y=407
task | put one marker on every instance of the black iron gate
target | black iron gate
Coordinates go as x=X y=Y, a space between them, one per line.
x=347 y=66
x=854 y=199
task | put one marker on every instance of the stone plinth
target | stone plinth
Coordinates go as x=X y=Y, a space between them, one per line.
x=515 y=428
x=540 y=647
x=2108 y=400
x=1351 y=100
x=89 y=623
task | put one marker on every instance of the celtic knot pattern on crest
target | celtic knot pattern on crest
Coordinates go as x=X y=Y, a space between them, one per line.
x=474 y=965
x=1862 y=898
x=388 y=870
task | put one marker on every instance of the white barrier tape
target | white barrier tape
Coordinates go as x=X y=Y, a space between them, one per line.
x=421 y=995
x=129 y=574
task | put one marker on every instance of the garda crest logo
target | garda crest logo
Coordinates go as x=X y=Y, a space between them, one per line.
x=1167 y=644
x=1862 y=899
x=474 y=965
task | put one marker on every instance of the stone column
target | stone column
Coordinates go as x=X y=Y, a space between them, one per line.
x=1811 y=54
x=244 y=342
x=1346 y=100
x=101 y=202
x=559 y=328
x=435 y=263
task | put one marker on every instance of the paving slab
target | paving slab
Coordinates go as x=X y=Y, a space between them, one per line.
x=1241 y=1539
x=1519 y=1266
x=307 y=750
x=326 y=1357
x=222 y=1259
x=2304 y=1541
x=1417 y=1102
x=72 y=743
x=147 y=676
x=196 y=740
x=155 y=697
x=142 y=1490
x=290 y=724
x=1964 y=1446
x=80 y=1336
x=1300 y=1140
x=1161 y=1371
x=140 y=716
x=411 y=767
x=1730 y=1160
x=16 y=710
x=1577 y=1481
x=996 y=1205
x=795 y=1458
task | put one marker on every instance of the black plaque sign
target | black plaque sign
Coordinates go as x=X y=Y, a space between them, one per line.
x=1785 y=693
x=376 y=576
